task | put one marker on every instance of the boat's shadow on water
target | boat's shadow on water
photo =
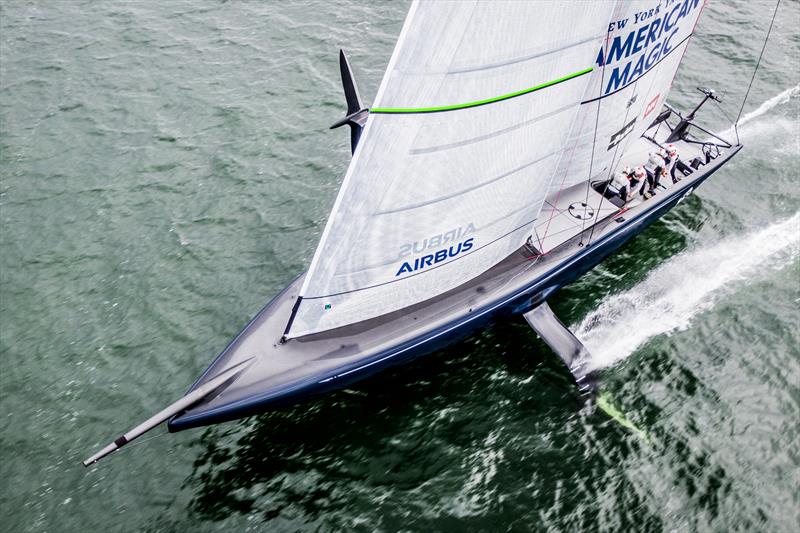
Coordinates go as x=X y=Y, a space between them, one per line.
x=335 y=456
x=414 y=425
x=391 y=430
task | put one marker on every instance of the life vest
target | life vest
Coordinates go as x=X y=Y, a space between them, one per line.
x=655 y=161
x=620 y=180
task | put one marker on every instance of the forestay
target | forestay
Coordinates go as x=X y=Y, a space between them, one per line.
x=457 y=156
x=633 y=74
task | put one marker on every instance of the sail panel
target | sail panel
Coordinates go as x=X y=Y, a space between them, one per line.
x=633 y=74
x=433 y=199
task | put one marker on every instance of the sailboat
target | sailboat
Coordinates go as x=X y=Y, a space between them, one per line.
x=480 y=184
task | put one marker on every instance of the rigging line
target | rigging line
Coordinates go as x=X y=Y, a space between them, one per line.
x=574 y=146
x=561 y=187
x=722 y=110
x=755 y=70
x=594 y=139
x=627 y=141
x=611 y=168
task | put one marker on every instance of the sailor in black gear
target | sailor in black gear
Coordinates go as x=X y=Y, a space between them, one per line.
x=656 y=167
x=620 y=183
x=638 y=178
x=671 y=161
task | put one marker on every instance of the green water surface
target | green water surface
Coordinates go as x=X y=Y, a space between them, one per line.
x=166 y=168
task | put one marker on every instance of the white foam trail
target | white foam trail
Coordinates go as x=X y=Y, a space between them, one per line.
x=773 y=102
x=678 y=290
x=766 y=107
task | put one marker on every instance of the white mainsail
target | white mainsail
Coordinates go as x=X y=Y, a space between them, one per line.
x=457 y=156
x=633 y=73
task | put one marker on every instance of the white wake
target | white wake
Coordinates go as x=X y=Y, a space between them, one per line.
x=773 y=102
x=766 y=107
x=689 y=283
x=685 y=286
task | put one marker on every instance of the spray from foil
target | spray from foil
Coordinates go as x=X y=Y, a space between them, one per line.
x=676 y=292
x=766 y=107
x=690 y=283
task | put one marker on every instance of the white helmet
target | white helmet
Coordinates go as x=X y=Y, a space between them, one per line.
x=671 y=150
x=639 y=172
x=626 y=170
x=661 y=152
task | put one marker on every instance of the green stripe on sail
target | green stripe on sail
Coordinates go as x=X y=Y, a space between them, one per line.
x=479 y=102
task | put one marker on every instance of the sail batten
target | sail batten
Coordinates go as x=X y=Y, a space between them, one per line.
x=472 y=188
x=474 y=68
x=453 y=165
x=465 y=142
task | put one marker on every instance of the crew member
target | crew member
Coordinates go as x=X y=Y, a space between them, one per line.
x=672 y=162
x=620 y=183
x=656 y=167
x=638 y=178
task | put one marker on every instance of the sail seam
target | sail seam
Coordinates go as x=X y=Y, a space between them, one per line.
x=467 y=142
x=469 y=189
x=476 y=68
x=455 y=107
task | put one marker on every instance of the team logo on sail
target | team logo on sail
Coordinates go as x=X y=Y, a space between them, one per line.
x=432 y=259
x=621 y=134
x=434 y=245
x=651 y=35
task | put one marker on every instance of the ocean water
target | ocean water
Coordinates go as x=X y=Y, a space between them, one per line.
x=166 y=168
